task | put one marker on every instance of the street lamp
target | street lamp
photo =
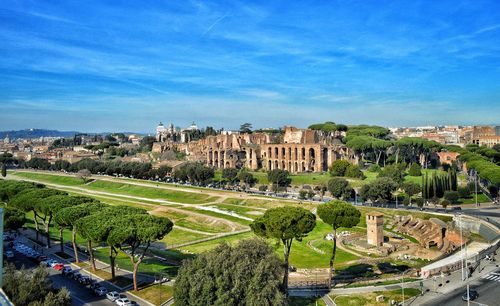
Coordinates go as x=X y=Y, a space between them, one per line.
x=403 y=284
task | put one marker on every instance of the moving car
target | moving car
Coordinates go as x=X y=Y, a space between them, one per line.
x=472 y=295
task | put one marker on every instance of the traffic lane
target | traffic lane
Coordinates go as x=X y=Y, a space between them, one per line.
x=489 y=294
x=80 y=294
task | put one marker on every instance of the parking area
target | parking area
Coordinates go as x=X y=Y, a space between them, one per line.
x=83 y=288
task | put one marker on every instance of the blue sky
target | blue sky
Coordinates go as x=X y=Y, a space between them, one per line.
x=126 y=65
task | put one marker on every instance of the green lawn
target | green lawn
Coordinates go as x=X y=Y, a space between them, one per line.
x=208 y=245
x=148 y=265
x=177 y=236
x=49 y=178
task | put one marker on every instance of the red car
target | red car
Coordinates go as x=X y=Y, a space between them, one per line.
x=58 y=267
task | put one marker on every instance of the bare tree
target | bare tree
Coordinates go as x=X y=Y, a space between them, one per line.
x=84 y=174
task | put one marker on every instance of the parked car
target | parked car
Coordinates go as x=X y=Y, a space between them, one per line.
x=100 y=291
x=94 y=284
x=41 y=258
x=9 y=254
x=123 y=302
x=472 y=295
x=67 y=271
x=457 y=208
x=76 y=275
x=58 y=267
x=112 y=296
x=84 y=280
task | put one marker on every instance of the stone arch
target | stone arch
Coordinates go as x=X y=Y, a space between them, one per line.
x=296 y=155
x=312 y=153
x=269 y=152
x=325 y=159
x=296 y=167
x=276 y=165
x=283 y=166
x=283 y=153
x=289 y=166
x=270 y=165
x=228 y=165
x=276 y=152
x=289 y=153
x=303 y=151
x=303 y=169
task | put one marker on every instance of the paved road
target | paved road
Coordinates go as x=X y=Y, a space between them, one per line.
x=81 y=295
x=488 y=287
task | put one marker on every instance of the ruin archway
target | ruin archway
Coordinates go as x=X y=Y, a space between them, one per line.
x=283 y=153
x=276 y=152
x=276 y=165
x=270 y=165
x=303 y=151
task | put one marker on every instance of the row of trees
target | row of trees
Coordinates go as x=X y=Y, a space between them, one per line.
x=436 y=185
x=115 y=167
x=120 y=227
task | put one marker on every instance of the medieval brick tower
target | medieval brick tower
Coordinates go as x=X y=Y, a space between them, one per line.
x=375 y=228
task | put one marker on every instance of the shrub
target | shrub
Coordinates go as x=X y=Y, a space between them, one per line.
x=374 y=168
x=463 y=192
x=354 y=172
x=302 y=194
x=263 y=188
x=337 y=186
x=406 y=201
x=451 y=196
x=339 y=167
x=445 y=203
x=493 y=190
x=415 y=170
x=419 y=201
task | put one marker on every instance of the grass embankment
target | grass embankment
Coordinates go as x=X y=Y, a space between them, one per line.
x=121 y=188
x=155 y=294
x=305 y=301
x=368 y=299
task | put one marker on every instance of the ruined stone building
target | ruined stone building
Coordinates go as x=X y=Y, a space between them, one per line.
x=295 y=150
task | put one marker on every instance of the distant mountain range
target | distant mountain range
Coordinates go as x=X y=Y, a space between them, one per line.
x=36 y=133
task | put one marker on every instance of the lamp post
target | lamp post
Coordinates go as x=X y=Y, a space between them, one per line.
x=403 y=285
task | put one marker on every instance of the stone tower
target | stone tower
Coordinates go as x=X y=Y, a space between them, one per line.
x=375 y=228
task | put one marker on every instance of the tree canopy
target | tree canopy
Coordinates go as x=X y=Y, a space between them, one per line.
x=249 y=273
x=285 y=224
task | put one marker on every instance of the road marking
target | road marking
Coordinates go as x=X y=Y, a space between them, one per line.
x=492 y=276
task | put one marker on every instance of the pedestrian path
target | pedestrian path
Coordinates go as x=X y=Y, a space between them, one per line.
x=493 y=276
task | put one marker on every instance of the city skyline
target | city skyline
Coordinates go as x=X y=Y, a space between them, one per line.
x=125 y=68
